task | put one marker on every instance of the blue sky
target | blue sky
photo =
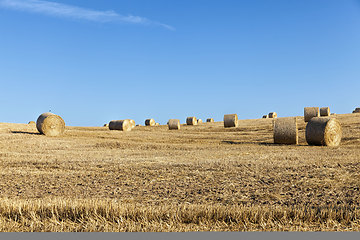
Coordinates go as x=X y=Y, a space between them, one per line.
x=94 y=61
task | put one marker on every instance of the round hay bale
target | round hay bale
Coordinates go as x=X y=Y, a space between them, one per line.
x=286 y=131
x=273 y=115
x=323 y=132
x=174 y=124
x=31 y=122
x=191 y=121
x=138 y=125
x=231 y=120
x=310 y=112
x=132 y=122
x=50 y=124
x=324 y=111
x=199 y=121
x=157 y=124
x=106 y=125
x=357 y=110
x=122 y=125
x=150 y=122
x=265 y=116
x=210 y=120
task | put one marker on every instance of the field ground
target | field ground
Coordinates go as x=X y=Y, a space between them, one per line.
x=200 y=178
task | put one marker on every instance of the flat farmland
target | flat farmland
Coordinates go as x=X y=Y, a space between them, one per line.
x=199 y=178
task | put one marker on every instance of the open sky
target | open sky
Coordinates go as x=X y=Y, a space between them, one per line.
x=93 y=61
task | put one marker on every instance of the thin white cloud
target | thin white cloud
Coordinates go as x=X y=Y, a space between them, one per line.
x=69 y=11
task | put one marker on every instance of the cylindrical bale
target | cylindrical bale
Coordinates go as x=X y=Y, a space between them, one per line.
x=199 y=121
x=50 y=124
x=357 y=110
x=106 y=125
x=210 y=120
x=191 y=121
x=150 y=122
x=310 y=112
x=31 y=122
x=132 y=122
x=286 y=131
x=157 y=124
x=230 y=120
x=122 y=125
x=324 y=111
x=273 y=115
x=323 y=132
x=265 y=116
x=174 y=124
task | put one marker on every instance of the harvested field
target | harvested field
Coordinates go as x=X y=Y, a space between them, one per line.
x=203 y=178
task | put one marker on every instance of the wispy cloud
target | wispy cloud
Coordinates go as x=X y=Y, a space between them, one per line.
x=69 y=11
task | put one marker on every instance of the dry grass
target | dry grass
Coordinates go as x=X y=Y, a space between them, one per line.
x=202 y=178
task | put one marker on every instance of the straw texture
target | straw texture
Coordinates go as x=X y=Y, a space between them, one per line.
x=323 y=132
x=174 y=124
x=191 y=121
x=324 y=111
x=210 y=120
x=230 y=120
x=121 y=125
x=286 y=131
x=132 y=122
x=50 y=124
x=310 y=112
x=273 y=115
x=150 y=122
x=357 y=110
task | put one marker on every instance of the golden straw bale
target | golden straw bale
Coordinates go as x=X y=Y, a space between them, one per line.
x=210 y=120
x=322 y=131
x=50 y=124
x=191 y=121
x=132 y=122
x=199 y=121
x=273 y=115
x=231 y=120
x=106 y=125
x=310 y=112
x=324 y=111
x=150 y=122
x=122 y=125
x=174 y=124
x=265 y=116
x=357 y=110
x=31 y=122
x=157 y=124
x=286 y=131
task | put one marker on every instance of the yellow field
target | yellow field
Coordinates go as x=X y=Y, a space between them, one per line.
x=204 y=177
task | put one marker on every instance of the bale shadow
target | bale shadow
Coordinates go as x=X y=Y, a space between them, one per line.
x=22 y=132
x=254 y=143
x=262 y=143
